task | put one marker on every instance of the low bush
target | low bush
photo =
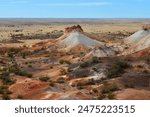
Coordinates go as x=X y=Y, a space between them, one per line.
x=2 y=91
x=44 y=79
x=80 y=87
x=61 y=61
x=95 y=59
x=90 y=62
x=23 y=55
x=52 y=84
x=91 y=82
x=30 y=66
x=94 y=90
x=111 y=96
x=116 y=69
x=6 y=79
x=23 y=73
x=63 y=72
x=101 y=96
x=107 y=88
x=29 y=75
x=147 y=59
x=84 y=64
x=6 y=97
x=61 y=80
x=65 y=62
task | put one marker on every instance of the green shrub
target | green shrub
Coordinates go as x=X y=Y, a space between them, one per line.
x=80 y=87
x=116 y=69
x=94 y=90
x=23 y=73
x=6 y=97
x=17 y=36
x=15 y=69
x=30 y=66
x=29 y=75
x=90 y=82
x=61 y=80
x=68 y=62
x=2 y=91
x=61 y=62
x=113 y=87
x=111 y=96
x=84 y=64
x=6 y=79
x=107 y=88
x=14 y=50
x=87 y=63
x=63 y=72
x=95 y=59
x=24 y=55
x=44 y=79
x=147 y=59
x=101 y=96
x=52 y=84
x=64 y=62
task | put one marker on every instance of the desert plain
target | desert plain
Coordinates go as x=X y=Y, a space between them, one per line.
x=75 y=59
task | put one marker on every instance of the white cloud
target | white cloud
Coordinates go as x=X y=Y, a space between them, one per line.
x=77 y=4
x=80 y=4
x=13 y=1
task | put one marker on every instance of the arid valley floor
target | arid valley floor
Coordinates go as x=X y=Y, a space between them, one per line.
x=75 y=59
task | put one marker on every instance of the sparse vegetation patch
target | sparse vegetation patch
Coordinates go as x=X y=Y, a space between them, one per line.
x=117 y=68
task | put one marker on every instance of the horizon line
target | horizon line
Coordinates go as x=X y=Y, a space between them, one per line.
x=69 y=18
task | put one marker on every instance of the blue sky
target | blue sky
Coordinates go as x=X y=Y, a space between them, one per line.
x=74 y=8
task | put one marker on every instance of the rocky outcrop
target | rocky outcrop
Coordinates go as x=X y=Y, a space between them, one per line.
x=77 y=28
x=146 y=27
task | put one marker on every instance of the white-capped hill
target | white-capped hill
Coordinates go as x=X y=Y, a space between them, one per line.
x=138 y=41
x=77 y=38
x=136 y=37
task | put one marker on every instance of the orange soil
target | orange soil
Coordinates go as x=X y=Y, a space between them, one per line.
x=27 y=88
x=133 y=94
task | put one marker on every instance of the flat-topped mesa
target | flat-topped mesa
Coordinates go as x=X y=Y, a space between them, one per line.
x=77 y=28
x=146 y=27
